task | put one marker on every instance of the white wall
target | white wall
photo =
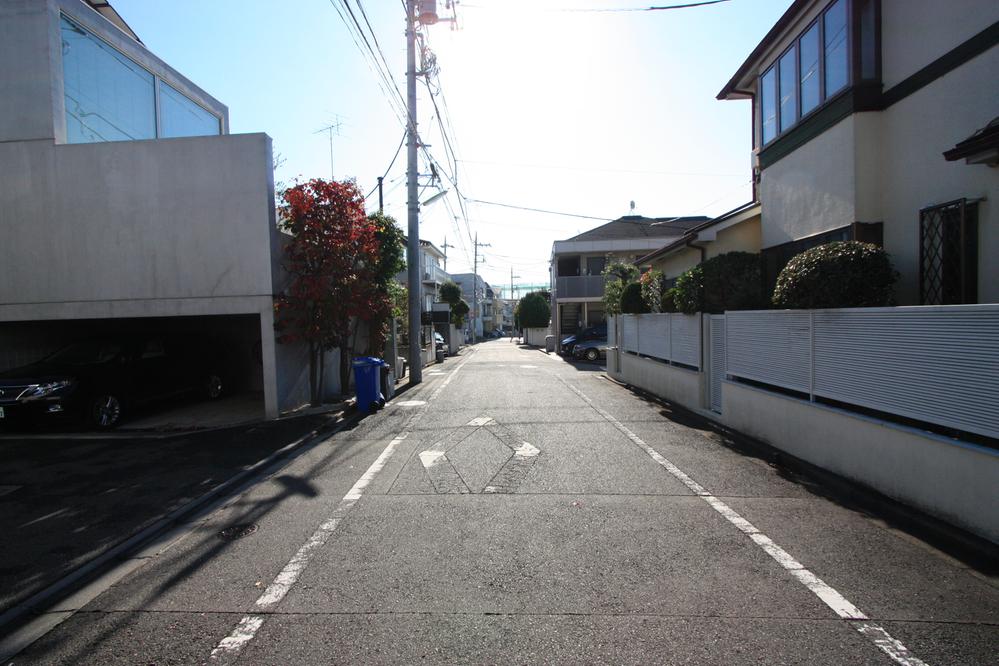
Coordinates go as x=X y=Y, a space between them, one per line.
x=917 y=32
x=914 y=134
x=953 y=481
x=680 y=385
x=812 y=189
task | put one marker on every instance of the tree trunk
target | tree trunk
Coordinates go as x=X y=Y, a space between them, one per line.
x=313 y=371
x=322 y=376
x=344 y=367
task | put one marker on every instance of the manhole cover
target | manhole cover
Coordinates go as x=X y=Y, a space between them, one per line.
x=234 y=532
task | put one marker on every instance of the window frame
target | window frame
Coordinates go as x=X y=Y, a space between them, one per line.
x=853 y=66
x=157 y=81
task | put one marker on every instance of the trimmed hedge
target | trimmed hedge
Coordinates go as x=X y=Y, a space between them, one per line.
x=730 y=281
x=533 y=311
x=844 y=274
x=631 y=299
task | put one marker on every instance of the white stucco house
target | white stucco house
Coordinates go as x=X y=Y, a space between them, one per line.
x=866 y=119
x=126 y=203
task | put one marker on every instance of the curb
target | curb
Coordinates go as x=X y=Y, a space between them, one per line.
x=91 y=570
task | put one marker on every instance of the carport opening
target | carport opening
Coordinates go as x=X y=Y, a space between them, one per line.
x=229 y=344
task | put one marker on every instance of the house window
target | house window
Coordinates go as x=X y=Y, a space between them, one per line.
x=768 y=105
x=109 y=97
x=816 y=67
x=179 y=116
x=788 y=80
x=836 y=60
x=811 y=90
x=948 y=254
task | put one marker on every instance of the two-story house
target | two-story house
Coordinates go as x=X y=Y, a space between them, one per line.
x=578 y=263
x=871 y=121
x=126 y=204
x=479 y=296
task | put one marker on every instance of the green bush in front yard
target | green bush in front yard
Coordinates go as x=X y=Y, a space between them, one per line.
x=730 y=281
x=631 y=299
x=844 y=274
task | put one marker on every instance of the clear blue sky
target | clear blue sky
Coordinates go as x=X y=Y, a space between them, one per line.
x=562 y=110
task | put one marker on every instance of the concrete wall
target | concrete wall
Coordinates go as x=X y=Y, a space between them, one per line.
x=951 y=480
x=680 y=385
x=536 y=336
x=137 y=220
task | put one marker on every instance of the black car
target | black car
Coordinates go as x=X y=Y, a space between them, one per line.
x=99 y=380
x=593 y=333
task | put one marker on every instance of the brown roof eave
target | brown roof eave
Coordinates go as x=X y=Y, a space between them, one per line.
x=731 y=89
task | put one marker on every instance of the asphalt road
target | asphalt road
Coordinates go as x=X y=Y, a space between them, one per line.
x=519 y=509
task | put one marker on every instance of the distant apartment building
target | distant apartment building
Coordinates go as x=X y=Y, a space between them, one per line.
x=578 y=263
x=432 y=275
x=481 y=317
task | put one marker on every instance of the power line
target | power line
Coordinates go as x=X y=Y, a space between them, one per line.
x=389 y=168
x=537 y=210
x=610 y=10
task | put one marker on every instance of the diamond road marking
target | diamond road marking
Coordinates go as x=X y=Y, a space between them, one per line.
x=410 y=403
x=481 y=421
x=7 y=490
x=525 y=450
x=528 y=366
x=431 y=458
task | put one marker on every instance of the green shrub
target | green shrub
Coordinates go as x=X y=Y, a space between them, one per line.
x=632 y=301
x=688 y=294
x=617 y=275
x=533 y=311
x=844 y=274
x=730 y=281
x=653 y=290
x=669 y=300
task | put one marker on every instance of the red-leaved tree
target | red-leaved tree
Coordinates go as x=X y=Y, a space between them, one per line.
x=331 y=258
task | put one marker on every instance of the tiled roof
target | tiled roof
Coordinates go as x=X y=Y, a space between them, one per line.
x=636 y=226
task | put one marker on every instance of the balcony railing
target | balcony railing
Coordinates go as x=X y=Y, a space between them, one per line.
x=583 y=286
x=434 y=274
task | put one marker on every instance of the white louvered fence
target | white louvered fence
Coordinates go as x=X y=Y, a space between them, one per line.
x=671 y=337
x=939 y=365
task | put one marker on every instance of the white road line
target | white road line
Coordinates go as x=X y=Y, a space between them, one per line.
x=247 y=629
x=830 y=597
x=276 y=591
x=525 y=450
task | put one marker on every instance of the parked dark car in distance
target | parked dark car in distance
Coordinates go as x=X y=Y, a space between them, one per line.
x=591 y=350
x=100 y=380
x=592 y=333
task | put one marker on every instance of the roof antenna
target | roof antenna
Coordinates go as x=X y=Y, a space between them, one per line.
x=632 y=208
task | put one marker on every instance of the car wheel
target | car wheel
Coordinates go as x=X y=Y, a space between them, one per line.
x=592 y=354
x=213 y=386
x=105 y=411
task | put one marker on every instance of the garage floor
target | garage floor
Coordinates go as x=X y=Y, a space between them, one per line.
x=230 y=410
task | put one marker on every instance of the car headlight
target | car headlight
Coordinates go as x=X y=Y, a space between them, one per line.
x=45 y=390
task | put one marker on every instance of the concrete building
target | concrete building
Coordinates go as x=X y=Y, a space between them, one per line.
x=127 y=205
x=577 y=264
x=480 y=318
x=871 y=121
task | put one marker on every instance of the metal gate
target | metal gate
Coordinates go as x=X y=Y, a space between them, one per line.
x=716 y=369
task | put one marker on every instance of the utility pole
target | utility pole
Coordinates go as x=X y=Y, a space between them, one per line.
x=512 y=306
x=413 y=205
x=446 y=246
x=381 y=205
x=475 y=283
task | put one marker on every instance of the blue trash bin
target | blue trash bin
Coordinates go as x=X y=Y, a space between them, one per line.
x=366 y=382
